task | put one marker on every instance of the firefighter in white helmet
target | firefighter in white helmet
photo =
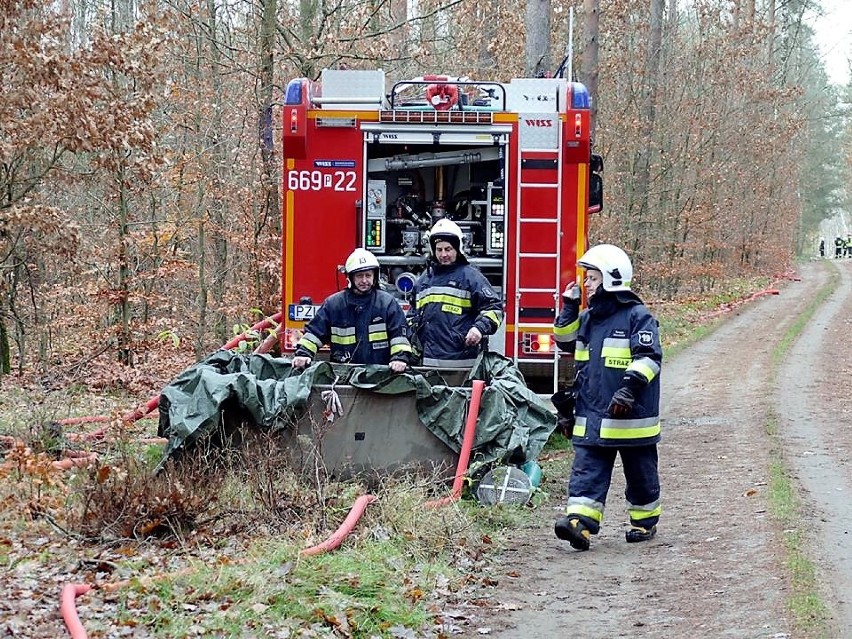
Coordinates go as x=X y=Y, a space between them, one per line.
x=614 y=403
x=362 y=324
x=454 y=305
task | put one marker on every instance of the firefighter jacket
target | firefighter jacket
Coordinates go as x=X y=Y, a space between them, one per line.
x=616 y=344
x=362 y=329
x=448 y=301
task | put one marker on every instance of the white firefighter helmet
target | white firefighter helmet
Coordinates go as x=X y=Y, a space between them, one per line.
x=361 y=260
x=613 y=263
x=447 y=231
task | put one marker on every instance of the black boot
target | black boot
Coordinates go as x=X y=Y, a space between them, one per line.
x=572 y=530
x=637 y=533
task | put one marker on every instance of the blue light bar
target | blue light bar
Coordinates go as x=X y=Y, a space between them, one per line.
x=579 y=96
x=293 y=93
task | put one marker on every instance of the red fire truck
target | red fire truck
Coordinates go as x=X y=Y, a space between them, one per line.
x=369 y=167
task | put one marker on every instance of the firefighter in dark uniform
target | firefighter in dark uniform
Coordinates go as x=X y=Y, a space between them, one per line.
x=454 y=307
x=363 y=324
x=838 y=247
x=616 y=396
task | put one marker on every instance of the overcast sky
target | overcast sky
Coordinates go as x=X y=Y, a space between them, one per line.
x=834 y=37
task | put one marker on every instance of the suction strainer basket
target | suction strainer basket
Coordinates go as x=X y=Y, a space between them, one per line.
x=504 y=485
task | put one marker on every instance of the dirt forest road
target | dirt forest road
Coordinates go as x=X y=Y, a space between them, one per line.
x=716 y=567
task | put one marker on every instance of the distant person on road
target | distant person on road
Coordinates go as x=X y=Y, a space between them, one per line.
x=454 y=307
x=838 y=247
x=615 y=397
x=363 y=324
x=821 y=247
x=847 y=246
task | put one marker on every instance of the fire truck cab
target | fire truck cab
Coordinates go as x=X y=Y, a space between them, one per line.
x=370 y=166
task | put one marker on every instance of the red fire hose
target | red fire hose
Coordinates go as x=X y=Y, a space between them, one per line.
x=467 y=446
x=67 y=607
x=70 y=592
x=138 y=413
x=345 y=528
x=272 y=320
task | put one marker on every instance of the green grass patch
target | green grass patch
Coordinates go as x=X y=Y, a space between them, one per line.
x=556 y=442
x=810 y=614
x=361 y=591
x=804 y=317
x=494 y=520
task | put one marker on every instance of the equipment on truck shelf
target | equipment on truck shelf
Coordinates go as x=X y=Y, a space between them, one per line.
x=509 y=163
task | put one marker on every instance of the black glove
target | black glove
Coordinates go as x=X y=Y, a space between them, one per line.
x=563 y=402
x=565 y=426
x=621 y=405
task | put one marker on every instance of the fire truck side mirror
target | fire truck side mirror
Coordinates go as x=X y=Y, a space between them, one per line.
x=595 y=193
x=596 y=163
x=595 y=183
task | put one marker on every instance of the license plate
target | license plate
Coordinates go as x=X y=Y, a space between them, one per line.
x=302 y=312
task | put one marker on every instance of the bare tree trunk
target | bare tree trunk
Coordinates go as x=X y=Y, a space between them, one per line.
x=17 y=316
x=5 y=351
x=398 y=16
x=307 y=19
x=202 y=286
x=648 y=117
x=773 y=28
x=217 y=204
x=7 y=292
x=487 y=62
x=125 y=350
x=589 y=63
x=269 y=219
x=538 y=39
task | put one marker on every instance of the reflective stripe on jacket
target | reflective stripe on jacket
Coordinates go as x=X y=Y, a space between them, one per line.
x=448 y=301
x=605 y=349
x=362 y=329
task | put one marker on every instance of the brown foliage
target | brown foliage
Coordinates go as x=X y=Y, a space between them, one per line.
x=126 y=501
x=246 y=483
x=134 y=203
x=721 y=197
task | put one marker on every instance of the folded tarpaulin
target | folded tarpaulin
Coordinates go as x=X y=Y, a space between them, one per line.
x=513 y=423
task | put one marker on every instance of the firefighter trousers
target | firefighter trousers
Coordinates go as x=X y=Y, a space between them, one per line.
x=591 y=475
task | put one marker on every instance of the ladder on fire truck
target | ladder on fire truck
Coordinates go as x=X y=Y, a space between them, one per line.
x=545 y=163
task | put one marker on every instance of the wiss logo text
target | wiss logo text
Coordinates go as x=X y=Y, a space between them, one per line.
x=539 y=123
